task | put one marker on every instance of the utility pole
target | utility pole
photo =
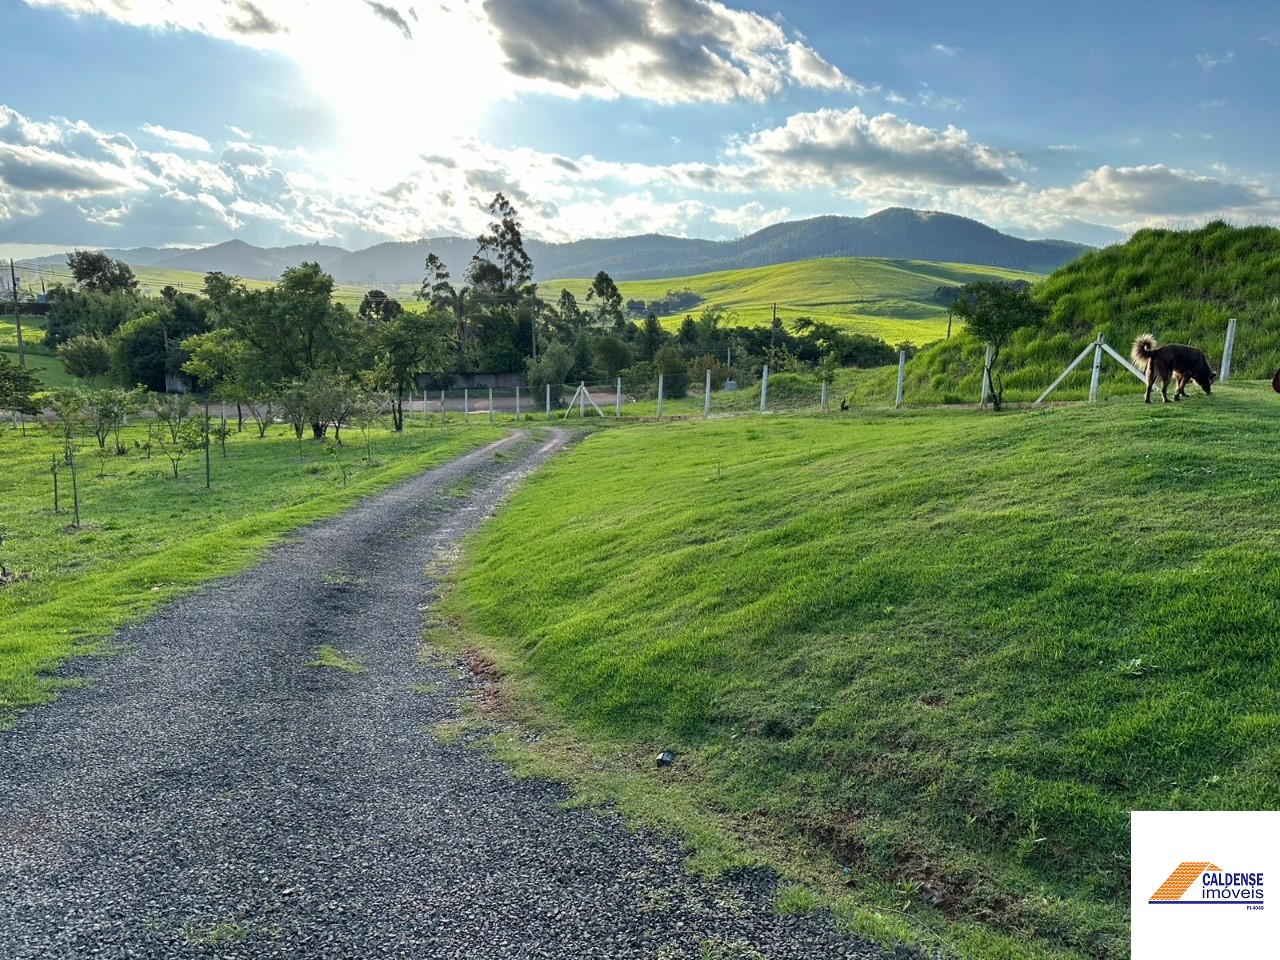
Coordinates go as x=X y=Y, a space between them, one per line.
x=17 y=318
x=773 y=328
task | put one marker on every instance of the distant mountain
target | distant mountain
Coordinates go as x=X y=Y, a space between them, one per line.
x=897 y=234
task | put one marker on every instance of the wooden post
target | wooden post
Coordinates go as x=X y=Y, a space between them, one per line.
x=207 y=471
x=1097 y=369
x=1226 y=352
x=986 y=377
x=706 y=397
x=764 y=389
x=902 y=377
x=17 y=318
x=659 y=396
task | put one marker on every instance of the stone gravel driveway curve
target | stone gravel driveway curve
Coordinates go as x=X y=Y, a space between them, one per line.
x=209 y=794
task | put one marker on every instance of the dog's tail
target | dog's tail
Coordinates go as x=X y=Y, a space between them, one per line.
x=1143 y=347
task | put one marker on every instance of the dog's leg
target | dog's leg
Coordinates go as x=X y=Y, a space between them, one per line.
x=1181 y=381
x=1151 y=382
x=1164 y=388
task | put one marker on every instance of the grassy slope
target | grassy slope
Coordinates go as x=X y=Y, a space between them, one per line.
x=147 y=536
x=891 y=299
x=1183 y=286
x=39 y=358
x=955 y=649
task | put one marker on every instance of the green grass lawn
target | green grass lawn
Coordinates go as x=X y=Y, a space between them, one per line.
x=947 y=650
x=890 y=299
x=40 y=358
x=145 y=537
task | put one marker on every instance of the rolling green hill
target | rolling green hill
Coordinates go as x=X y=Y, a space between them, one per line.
x=1182 y=285
x=947 y=651
x=40 y=359
x=890 y=299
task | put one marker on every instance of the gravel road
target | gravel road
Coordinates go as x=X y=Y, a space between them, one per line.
x=209 y=794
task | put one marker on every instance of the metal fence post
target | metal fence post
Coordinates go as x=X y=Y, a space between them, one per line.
x=902 y=378
x=706 y=397
x=466 y=405
x=517 y=401
x=548 y=401
x=582 y=399
x=1097 y=369
x=491 y=404
x=824 y=396
x=764 y=388
x=424 y=408
x=1228 y=349
x=659 y=396
x=617 y=403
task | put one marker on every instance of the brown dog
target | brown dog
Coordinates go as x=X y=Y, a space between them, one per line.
x=1176 y=360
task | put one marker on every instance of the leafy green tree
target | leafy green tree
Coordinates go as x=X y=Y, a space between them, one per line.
x=502 y=247
x=18 y=388
x=583 y=358
x=675 y=372
x=551 y=367
x=719 y=371
x=378 y=307
x=993 y=311
x=68 y=405
x=607 y=299
x=172 y=411
x=408 y=345
x=140 y=352
x=188 y=438
x=86 y=356
x=72 y=312
x=651 y=338
x=99 y=273
x=107 y=410
x=294 y=405
x=612 y=355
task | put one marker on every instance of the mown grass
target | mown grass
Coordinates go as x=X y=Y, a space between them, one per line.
x=1184 y=286
x=39 y=358
x=890 y=299
x=906 y=642
x=145 y=537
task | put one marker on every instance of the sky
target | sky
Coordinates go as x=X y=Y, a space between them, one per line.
x=128 y=123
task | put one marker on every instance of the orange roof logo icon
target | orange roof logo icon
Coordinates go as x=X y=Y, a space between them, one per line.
x=1181 y=879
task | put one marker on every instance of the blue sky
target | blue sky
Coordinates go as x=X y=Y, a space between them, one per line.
x=146 y=122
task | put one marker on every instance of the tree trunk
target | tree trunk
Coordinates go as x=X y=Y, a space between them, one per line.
x=318 y=430
x=239 y=418
x=397 y=410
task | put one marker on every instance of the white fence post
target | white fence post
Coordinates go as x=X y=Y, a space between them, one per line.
x=517 y=401
x=617 y=402
x=902 y=376
x=986 y=377
x=764 y=389
x=1097 y=369
x=824 y=396
x=1227 y=350
x=491 y=404
x=466 y=405
x=706 y=398
x=582 y=400
x=424 y=408
x=548 y=401
x=659 y=396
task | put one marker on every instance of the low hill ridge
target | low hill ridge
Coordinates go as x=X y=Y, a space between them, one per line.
x=897 y=233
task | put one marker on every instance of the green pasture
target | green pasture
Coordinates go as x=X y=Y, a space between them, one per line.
x=890 y=299
x=938 y=655
x=40 y=358
x=145 y=537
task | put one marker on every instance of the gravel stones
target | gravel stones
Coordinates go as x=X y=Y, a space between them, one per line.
x=209 y=794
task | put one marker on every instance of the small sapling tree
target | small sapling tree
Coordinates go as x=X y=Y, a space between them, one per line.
x=993 y=311
x=86 y=356
x=175 y=447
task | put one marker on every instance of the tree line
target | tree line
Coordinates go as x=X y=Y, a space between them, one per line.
x=290 y=347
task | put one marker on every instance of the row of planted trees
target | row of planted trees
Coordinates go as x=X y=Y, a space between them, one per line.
x=245 y=344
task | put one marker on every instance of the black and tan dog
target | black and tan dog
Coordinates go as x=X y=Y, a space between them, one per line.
x=1176 y=360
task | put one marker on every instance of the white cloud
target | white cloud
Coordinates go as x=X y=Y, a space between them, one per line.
x=945 y=50
x=670 y=51
x=177 y=138
x=1210 y=60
